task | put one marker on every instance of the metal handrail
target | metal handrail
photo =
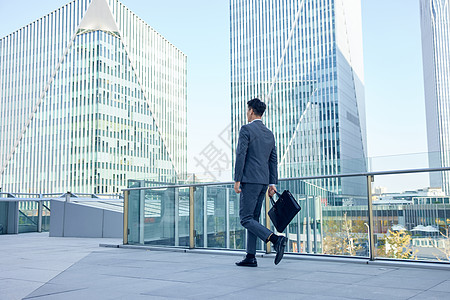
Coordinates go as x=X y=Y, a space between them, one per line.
x=93 y=200
x=364 y=174
x=27 y=199
x=7 y=193
x=59 y=199
x=53 y=194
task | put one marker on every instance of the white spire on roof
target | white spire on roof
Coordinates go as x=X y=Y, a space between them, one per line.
x=99 y=17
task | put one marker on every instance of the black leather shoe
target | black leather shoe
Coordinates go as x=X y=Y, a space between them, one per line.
x=279 y=248
x=247 y=262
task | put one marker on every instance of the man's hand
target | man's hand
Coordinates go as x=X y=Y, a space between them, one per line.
x=237 y=187
x=272 y=190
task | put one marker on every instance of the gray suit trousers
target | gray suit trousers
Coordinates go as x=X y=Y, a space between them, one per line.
x=251 y=199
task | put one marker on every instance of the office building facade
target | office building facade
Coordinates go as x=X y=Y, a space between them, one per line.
x=91 y=96
x=435 y=18
x=304 y=59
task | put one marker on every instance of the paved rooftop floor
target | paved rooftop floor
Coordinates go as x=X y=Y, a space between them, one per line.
x=35 y=266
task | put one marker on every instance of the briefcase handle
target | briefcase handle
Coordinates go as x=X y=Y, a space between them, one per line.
x=273 y=201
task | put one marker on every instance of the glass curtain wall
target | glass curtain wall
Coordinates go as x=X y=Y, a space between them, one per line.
x=435 y=25
x=304 y=59
x=84 y=107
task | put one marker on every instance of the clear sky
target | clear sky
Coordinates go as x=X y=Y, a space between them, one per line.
x=395 y=106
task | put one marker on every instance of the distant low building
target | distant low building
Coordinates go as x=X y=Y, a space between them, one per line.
x=428 y=195
x=379 y=190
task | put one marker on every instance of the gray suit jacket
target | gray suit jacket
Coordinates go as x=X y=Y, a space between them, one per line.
x=256 y=155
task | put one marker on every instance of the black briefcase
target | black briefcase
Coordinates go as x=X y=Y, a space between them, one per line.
x=284 y=210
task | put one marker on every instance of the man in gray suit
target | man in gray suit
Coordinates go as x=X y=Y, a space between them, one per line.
x=255 y=169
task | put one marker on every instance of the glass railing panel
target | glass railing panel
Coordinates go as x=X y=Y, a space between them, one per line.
x=182 y=228
x=216 y=218
x=333 y=216
x=209 y=207
x=406 y=161
x=238 y=237
x=159 y=217
x=28 y=216
x=136 y=217
x=411 y=217
x=216 y=215
x=399 y=162
x=200 y=237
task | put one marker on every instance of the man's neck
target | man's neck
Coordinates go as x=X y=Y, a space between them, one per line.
x=255 y=119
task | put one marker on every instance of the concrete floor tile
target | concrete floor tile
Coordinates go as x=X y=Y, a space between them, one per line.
x=7 y=282
x=16 y=289
x=52 y=290
x=189 y=276
x=370 y=292
x=243 y=281
x=421 y=273
x=302 y=286
x=30 y=274
x=193 y=291
x=71 y=268
x=414 y=283
x=77 y=294
x=332 y=277
x=256 y=294
x=143 y=297
x=442 y=287
x=359 y=269
x=431 y=295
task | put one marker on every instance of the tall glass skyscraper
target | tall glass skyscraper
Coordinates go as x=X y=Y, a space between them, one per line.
x=91 y=96
x=435 y=23
x=304 y=59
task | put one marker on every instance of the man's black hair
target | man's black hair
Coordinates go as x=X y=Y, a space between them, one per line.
x=258 y=106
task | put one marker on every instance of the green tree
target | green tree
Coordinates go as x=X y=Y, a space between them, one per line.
x=343 y=237
x=445 y=242
x=397 y=244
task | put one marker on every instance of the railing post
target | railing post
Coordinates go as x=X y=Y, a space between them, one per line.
x=142 y=216
x=227 y=217
x=370 y=207
x=125 y=217
x=308 y=226
x=267 y=203
x=205 y=217
x=191 y=218
x=176 y=217
x=314 y=222
x=299 y=227
x=40 y=207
